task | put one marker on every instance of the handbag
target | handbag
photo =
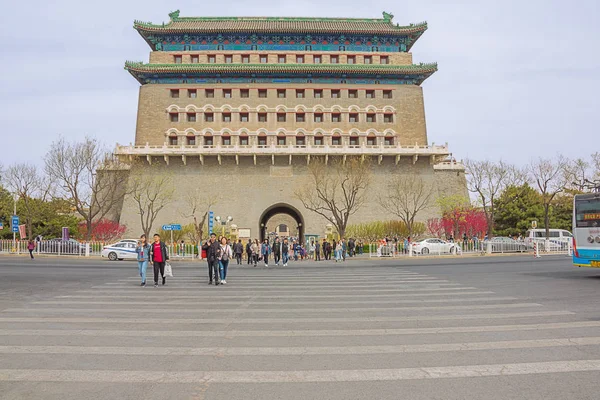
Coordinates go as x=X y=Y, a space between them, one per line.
x=168 y=270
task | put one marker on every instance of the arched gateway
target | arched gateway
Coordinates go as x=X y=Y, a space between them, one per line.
x=281 y=208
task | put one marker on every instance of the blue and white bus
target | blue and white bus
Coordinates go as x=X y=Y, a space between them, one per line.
x=586 y=230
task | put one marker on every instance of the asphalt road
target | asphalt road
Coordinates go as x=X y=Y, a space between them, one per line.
x=456 y=328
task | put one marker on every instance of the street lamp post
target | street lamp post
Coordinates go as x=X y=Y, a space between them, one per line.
x=223 y=222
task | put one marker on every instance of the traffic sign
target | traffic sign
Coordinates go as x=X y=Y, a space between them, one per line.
x=171 y=227
x=15 y=223
x=211 y=217
x=1 y=226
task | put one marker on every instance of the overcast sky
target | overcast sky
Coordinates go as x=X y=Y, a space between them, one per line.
x=516 y=79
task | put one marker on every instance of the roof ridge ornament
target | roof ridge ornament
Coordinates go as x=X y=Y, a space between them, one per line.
x=174 y=15
x=387 y=17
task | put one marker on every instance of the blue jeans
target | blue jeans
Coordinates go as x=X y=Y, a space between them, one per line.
x=285 y=258
x=142 y=265
x=338 y=254
x=223 y=268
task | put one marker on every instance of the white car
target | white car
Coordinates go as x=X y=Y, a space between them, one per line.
x=434 y=246
x=120 y=251
x=134 y=241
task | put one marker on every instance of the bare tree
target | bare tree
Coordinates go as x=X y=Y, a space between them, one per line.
x=406 y=197
x=550 y=177
x=26 y=182
x=92 y=182
x=583 y=175
x=516 y=176
x=336 y=191
x=488 y=180
x=151 y=191
x=198 y=207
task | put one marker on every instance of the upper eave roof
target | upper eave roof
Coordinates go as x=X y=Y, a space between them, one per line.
x=375 y=26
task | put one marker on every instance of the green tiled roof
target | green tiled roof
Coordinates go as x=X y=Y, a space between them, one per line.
x=179 y=24
x=349 y=69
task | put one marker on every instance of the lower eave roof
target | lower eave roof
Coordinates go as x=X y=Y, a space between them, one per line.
x=348 y=69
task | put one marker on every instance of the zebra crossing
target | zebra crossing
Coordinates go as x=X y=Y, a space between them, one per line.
x=294 y=333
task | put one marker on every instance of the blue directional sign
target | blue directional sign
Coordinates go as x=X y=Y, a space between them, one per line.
x=15 y=224
x=1 y=226
x=171 y=227
x=211 y=217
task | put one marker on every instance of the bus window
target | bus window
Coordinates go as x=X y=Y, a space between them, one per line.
x=587 y=213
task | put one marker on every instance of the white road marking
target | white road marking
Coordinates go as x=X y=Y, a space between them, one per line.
x=462 y=371
x=211 y=310
x=299 y=351
x=303 y=333
x=237 y=320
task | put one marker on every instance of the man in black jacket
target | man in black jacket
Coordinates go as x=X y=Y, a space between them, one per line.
x=249 y=251
x=277 y=251
x=212 y=253
x=317 y=251
x=159 y=256
x=238 y=250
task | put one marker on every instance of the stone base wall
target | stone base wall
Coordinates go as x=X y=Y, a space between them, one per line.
x=246 y=190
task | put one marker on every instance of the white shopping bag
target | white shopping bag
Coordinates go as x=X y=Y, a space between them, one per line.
x=168 y=270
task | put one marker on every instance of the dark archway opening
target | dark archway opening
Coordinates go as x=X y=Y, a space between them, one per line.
x=281 y=208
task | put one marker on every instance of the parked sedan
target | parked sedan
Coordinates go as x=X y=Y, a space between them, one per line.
x=120 y=251
x=501 y=244
x=434 y=246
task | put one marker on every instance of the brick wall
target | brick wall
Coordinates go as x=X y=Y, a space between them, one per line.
x=246 y=190
x=154 y=119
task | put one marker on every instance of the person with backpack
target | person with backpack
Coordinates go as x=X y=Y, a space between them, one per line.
x=277 y=251
x=265 y=251
x=224 y=256
x=143 y=256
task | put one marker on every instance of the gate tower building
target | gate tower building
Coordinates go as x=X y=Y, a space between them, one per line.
x=253 y=99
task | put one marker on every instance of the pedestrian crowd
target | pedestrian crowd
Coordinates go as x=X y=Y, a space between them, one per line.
x=220 y=251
